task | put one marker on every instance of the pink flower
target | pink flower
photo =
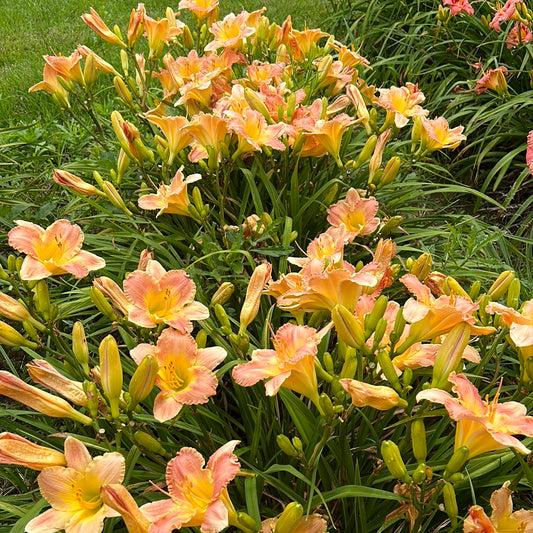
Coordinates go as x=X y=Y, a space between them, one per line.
x=185 y=374
x=458 y=6
x=529 y=153
x=507 y=12
x=519 y=34
x=198 y=495
x=401 y=103
x=52 y=251
x=481 y=426
x=494 y=80
x=161 y=297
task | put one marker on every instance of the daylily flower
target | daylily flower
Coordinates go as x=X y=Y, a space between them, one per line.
x=185 y=374
x=52 y=251
x=230 y=32
x=290 y=364
x=118 y=498
x=70 y=181
x=160 y=31
x=44 y=402
x=171 y=198
x=401 y=103
x=301 y=41
x=95 y=22
x=200 y=8
x=507 y=12
x=313 y=523
x=136 y=24
x=208 y=131
x=74 y=491
x=51 y=85
x=172 y=127
x=161 y=297
x=436 y=135
x=378 y=397
x=67 y=67
x=458 y=6
x=519 y=34
x=502 y=519
x=481 y=426
x=198 y=495
x=494 y=80
x=100 y=63
x=15 y=450
x=356 y=213
x=529 y=153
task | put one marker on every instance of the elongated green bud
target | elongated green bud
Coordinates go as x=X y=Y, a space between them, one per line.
x=387 y=368
x=456 y=478
x=123 y=92
x=347 y=327
x=450 y=354
x=223 y=293
x=422 y=266
x=111 y=372
x=397 y=330
x=418 y=440
x=289 y=518
x=475 y=288
x=201 y=339
x=450 y=503
x=297 y=443
x=456 y=463
x=114 y=197
x=222 y=317
x=500 y=286
x=366 y=151
x=245 y=519
x=390 y=225
x=455 y=287
x=91 y=391
x=11 y=337
x=42 y=299
x=513 y=294
x=379 y=333
x=285 y=445
x=393 y=461
x=257 y=104
x=80 y=347
x=101 y=303
x=11 y=263
x=328 y=362
x=372 y=319
x=29 y=328
x=327 y=405
x=143 y=380
x=146 y=441
x=390 y=171
x=419 y=475
x=188 y=40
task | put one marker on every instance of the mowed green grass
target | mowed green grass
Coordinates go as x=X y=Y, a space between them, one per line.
x=39 y=27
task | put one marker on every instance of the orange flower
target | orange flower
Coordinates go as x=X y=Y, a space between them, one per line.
x=74 y=491
x=481 y=426
x=52 y=251
x=200 y=8
x=378 y=397
x=436 y=134
x=161 y=297
x=185 y=374
x=356 y=213
x=171 y=198
x=136 y=24
x=458 y=6
x=230 y=32
x=502 y=520
x=290 y=364
x=160 y=31
x=401 y=103
x=302 y=41
x=198 y=495
x=67 y=67
x=118 y=498
x=519 y=34
x=51 y=85
x=15 y=450
x=208 y=131
x=507 y=12
x=177 y=138
x=494 y=80
x=95 y=22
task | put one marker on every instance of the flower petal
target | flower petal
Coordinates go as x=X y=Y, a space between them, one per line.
x=48 y=522
x=76 y=454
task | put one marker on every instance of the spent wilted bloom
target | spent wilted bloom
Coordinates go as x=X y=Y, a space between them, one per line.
x=458 y=6
x=482 y=426
x=401 y=103
x=502 y=519
x=16 y=450
x=52 y=251
x=73 y=491
x=198 y=495
x=494 y=80
x=161 y=297
x=171 y=198
x=185 y=375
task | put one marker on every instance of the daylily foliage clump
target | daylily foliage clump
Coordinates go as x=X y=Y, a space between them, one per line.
x=267 y=318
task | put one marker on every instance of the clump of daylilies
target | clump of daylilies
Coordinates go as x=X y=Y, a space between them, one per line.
x=309 y=381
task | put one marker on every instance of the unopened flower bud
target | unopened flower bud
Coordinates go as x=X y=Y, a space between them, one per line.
x=379 y=333
x=250 y=307
x=257 y=104
x=188 y=40
x=146 y=441
x=449 y=355
x=247 y=521
x=450 y=503
x=289 y=518
x=111 y=372
x=42 y=299
x=117 y=497
x=393 y=461
x=419 y=475
x=114 y=197
x=513 y=294
x=222 y=317
x=201 y=339
x=12 y=309
x=347 y=327
x=297 y=443
x=223 y=293
x=474 y=290
x=372 y=319
x=101 y=303
x=122 y=91
x=328 y=363
x=397 y=330
x=143 y=380
x=455 y=288
x=388 y=370
x=418 y=440
x=390 y=171
x=390 y=225
x=70 y=181
x=422 y=266
x=91 y=391
x=500 y=286
x=286 y=446
x=80 y=347
x=456 y=463
x=11 y=337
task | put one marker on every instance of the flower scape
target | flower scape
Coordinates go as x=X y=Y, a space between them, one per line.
x=245 y=343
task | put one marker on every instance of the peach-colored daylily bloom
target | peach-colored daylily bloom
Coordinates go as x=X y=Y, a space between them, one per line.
x=67 y=67
x=52 y=251
x=44 y=402
x=185 y=374
x=494 y=80
x=230 y=32
x=290 y=364
x=171 y=198
x=458 y=6
x=95 y=22
x=70 y=181
x=208 y=131
x=117 y=497
x=348 y=56
x=51 y=85
x=364 y=394
x=74 y=491
x=160 y=31
x=100 y=63
x=431 y=317
x=529 y=152
x=313 y=523
x=481 y=426
x=172 y=127
x=519 y=34
x=198 y=495
x=136 y=24
x=200 y=8
x=15 y=450
x=401 y=103
x=45 y=374
x=507 y=12
x=356 y=213
x=302 y=41
x=436 y=135
x=161 y=297
x=502 y=519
